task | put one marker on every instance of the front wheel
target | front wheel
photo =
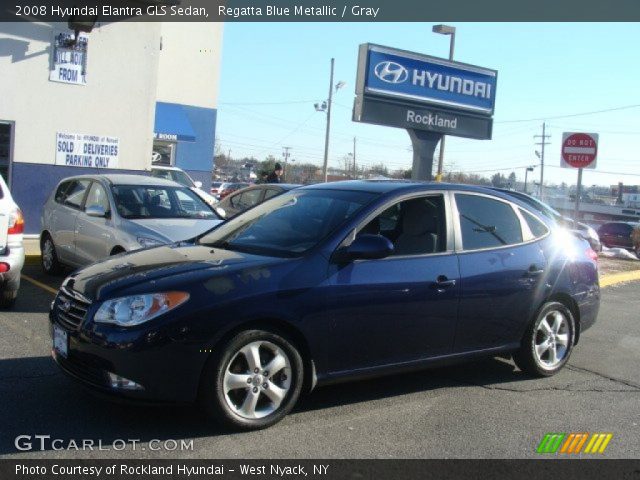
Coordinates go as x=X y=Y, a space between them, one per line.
x=49 y=257
x=254 y=381
x=548 y=342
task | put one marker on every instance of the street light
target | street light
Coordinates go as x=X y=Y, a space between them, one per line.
x=444 y=30
x=325 y=106
x=526 y=172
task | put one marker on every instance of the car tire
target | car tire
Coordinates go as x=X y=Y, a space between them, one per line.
x=236 y=389
x=8 y=298
x=49 y=257
x=548 y=342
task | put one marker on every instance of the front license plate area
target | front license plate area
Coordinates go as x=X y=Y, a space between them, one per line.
x=60 y=341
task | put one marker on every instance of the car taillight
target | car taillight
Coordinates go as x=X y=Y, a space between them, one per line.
x=591 y=253
x=4 y=267
x=16 y=222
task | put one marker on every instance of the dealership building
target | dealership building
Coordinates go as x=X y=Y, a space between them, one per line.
x=117 y=99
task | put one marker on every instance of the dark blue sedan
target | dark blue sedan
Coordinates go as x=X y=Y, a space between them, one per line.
x=324 y=283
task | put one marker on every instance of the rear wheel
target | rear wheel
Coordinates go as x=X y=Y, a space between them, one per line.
x=254 y=381
x=49 y=257
x=8 y=298
x=548 y=342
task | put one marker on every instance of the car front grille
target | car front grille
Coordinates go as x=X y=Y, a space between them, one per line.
x=82 y=370
x=71 y=309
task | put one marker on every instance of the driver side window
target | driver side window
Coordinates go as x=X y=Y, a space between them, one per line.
x=415 y=227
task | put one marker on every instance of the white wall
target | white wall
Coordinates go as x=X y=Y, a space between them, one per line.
x=189 y=68
x=118 y=100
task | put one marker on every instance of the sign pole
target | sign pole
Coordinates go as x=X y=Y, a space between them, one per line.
x=578 y=195
x=424 y=145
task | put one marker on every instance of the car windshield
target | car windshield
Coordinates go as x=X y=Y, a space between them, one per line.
x=152 y=201
x=290 y=224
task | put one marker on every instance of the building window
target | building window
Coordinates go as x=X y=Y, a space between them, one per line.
x=5 y=150
x=163 y=153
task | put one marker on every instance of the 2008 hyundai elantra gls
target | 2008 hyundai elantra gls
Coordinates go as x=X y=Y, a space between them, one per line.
x=326 y=283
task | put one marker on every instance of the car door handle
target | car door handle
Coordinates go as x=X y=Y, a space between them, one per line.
x=443 y=282
x=534 y=271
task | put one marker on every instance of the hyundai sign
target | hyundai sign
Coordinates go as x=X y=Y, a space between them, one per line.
x=425 y=79
x=424 y=92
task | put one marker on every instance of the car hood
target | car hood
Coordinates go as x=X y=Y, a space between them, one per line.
x=173 y=229
x=147 y=267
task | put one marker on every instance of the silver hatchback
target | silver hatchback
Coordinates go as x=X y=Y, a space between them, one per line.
x=90 y=217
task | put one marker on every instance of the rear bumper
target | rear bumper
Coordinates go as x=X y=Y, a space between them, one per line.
x=14 y=256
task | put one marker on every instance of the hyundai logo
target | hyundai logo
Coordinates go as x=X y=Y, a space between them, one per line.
x=65 y=306
x=391 y=72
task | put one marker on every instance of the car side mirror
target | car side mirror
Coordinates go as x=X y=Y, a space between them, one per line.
x=197 y=184
x=96 y=211
x=369 y=247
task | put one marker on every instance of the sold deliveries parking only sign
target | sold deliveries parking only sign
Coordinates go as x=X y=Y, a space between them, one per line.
x=579 y=150
x=91 y=151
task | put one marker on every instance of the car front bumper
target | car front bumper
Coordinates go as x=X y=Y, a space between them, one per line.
x=166 y=369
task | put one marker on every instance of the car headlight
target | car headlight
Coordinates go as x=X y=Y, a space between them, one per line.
x=146 y=242
x=137 y=309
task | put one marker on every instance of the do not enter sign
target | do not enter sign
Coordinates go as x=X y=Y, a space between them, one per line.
x=579 y=150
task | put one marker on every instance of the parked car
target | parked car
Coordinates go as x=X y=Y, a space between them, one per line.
x=178 y=175
x=11 y=246
x=620 y=234
x=241 y=200
x=228 y=188
x=582 y=229
x=215 y=187
x=324 y=283
x=90 y=217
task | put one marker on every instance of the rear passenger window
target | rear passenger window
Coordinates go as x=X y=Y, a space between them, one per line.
x=271 y=193
x=62 y=188
x=487 y=223
x=74 y=195
x=538 y=229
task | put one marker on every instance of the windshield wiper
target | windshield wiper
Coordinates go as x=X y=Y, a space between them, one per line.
x=485 y=228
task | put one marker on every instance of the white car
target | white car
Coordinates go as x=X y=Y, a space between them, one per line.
x=11 y=246
x=178 y=175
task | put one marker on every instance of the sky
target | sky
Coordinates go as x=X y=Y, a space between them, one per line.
x=273 y=73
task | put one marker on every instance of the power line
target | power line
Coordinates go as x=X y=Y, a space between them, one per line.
x=594 y=112
x=290 y=102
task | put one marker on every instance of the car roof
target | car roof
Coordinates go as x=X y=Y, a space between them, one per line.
x=387 y=186
x=621 y=222
x=124 y=179
x=164 y=167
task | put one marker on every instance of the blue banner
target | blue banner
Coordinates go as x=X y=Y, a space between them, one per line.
x=429 y=81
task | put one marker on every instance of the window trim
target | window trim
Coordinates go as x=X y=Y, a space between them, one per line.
x=450 y=240
x=79 y=208
x=527 y=236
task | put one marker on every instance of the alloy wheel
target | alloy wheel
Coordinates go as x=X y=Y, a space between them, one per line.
x=47 y=254
x=551 y=339
x=257 y=380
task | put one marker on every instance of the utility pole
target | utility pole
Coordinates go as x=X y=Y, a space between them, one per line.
x=542 y=143
x=286 y=156
x=326 y=138
x=355 y=170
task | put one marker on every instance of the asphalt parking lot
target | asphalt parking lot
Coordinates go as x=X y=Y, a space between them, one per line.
x=481 y=410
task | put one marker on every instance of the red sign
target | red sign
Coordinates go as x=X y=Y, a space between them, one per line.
x=579 y=150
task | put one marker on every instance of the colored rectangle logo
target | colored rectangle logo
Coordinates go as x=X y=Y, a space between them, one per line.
x=574 y=443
